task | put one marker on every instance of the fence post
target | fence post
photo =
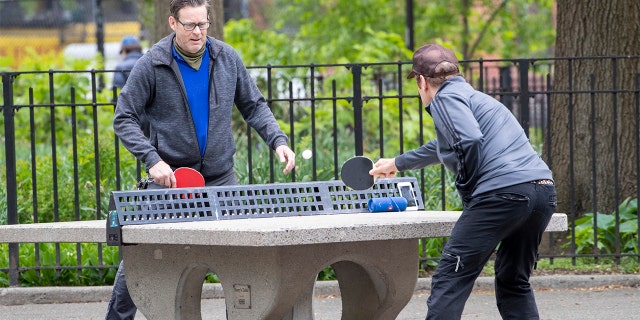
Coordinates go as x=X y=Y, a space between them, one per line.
x=356 y=70
x=523 y=70
x=10 y=160
x=506 y=87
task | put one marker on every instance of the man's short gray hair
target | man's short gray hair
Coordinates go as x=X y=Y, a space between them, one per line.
x=177 y=5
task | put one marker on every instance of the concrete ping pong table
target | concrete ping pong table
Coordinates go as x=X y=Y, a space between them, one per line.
x=267 y=265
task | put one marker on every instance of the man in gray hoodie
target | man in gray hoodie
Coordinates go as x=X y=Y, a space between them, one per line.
x=506 y=189
x=187 y=85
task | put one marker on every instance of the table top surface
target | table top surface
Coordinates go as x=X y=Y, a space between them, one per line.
x=258 y=231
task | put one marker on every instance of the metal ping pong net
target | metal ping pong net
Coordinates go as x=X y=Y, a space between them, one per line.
x=243 y=201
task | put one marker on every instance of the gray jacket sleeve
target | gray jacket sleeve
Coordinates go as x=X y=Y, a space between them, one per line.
x=128 y=121
x=418 y=158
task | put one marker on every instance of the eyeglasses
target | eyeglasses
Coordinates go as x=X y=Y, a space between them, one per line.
x=191 y=26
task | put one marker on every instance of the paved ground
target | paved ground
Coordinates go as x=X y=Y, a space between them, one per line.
x=559 y=298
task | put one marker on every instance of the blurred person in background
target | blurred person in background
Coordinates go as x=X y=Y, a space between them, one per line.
x=130 y=51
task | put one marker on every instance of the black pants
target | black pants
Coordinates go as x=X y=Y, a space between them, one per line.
x=512 y=219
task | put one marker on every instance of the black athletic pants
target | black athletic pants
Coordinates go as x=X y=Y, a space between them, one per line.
x=512 y=219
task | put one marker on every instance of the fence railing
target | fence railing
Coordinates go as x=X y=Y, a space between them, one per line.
x=61 y=158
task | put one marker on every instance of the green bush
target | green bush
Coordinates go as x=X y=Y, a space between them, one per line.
x=3 y=204
x=63 y=274
x=608 y=236
x=590 y=265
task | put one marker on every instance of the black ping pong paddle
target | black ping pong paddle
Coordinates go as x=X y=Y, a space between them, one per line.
x=355 y=173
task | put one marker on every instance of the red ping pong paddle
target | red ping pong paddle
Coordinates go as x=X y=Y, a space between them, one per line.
x=355 y=173
x=187 y=177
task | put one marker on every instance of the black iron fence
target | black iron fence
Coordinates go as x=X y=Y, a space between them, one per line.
x=61 y=158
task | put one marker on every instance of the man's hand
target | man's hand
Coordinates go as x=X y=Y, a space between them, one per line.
x=384 y=168
x=285 y=154
x=162 y=174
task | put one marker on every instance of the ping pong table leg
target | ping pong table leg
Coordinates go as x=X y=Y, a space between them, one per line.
x=160 y=276
x=270 y=283
x=275 y=283
x=378 y=279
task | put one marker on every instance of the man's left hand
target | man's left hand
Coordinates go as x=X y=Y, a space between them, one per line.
x=285 y=154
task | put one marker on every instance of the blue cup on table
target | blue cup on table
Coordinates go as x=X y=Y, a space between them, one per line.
x=387 y=204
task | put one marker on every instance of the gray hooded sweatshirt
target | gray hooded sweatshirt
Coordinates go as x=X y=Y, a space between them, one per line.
x=477 y=138
x=155 y=88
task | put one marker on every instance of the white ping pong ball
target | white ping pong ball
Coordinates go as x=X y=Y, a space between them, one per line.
x=307 y=154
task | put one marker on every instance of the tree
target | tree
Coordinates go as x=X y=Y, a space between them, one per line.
x=373 y=30
x=587 y=29
x=505 y=28
x=161 y=27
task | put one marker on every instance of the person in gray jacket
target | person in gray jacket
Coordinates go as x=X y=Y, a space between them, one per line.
x=187 y=85
x=507 y=190
x=131 y=51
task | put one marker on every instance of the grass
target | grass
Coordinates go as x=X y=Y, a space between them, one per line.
x=567 y=266
x=627 y=265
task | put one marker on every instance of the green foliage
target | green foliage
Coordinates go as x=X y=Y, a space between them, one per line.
x=374 y=30
x=211 y=277
x=504 y=28
x=146 y=12
x=259 y=47
x=3 y=201
x=433 y=194
x=337 y=31
x=608 y=236
x=527 y=29
x=45 y=254
x=72 y=126
x=4 y=261
x=313 y=44
x=626 y=265
x=429 y=249
x=327 y=273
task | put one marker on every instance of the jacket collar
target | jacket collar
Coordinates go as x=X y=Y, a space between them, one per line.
x=162 y=52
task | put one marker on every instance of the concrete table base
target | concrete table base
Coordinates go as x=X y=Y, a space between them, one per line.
x=376 y=278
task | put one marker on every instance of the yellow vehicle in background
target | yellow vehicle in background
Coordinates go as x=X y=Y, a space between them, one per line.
x=16 y=43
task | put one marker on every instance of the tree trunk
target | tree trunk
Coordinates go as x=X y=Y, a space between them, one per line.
x=161 y=27
x=594 y=129
x=217 y=20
